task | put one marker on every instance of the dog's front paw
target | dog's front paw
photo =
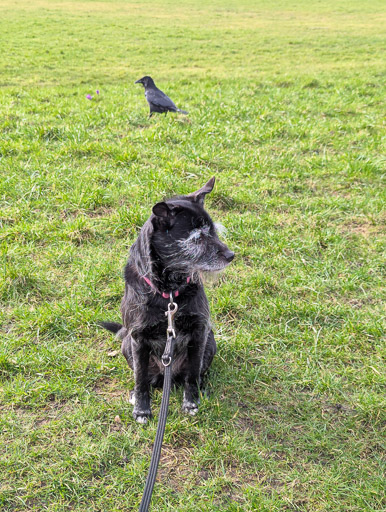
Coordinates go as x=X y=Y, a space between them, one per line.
x=141 y=416
x=189 y=407
x=142 y=419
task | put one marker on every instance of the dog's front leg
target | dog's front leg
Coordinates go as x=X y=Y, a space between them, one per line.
x=192 y=379
x=141 y=410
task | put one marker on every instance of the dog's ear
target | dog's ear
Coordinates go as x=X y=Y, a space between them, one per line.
x=199 y=195
x=165 y=213
x=161 y=210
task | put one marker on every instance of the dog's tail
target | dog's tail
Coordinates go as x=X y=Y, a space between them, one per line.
x=111 y=326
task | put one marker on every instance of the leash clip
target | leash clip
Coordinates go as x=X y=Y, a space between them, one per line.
x=170 y=314
x=170 y=331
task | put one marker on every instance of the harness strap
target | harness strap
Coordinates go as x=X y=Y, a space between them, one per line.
x=165 y=295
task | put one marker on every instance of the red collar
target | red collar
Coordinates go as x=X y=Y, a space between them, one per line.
x=164 y=294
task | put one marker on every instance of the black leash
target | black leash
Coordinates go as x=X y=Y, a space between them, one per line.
x=167 y=358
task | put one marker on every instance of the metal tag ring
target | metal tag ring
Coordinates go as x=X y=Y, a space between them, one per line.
x=166 y=360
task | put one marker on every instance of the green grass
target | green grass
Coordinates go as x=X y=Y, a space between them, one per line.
x=286 y=109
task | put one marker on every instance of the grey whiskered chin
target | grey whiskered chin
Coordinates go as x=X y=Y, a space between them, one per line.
x=190 y=265
x=211 y=276
x=217 y=268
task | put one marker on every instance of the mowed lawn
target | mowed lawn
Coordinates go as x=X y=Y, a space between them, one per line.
x=286 y=106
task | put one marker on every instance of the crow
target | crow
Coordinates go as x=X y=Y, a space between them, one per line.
x=158 y=101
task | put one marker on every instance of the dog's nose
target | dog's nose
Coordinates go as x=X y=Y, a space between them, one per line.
x=229 y=255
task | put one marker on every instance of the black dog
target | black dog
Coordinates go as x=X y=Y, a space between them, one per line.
x=157 y=100
x=176 y=245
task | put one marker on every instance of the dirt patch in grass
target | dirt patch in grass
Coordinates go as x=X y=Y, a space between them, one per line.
x=99 y=212
x=242 y=475
x=361 y=227
x=110 y=389
x=247 y=425
x=360 y=303
x=176 y=466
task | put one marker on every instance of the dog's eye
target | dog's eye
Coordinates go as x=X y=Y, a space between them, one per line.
x=199 y=222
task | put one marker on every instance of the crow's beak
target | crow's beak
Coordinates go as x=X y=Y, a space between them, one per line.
x=139 y=81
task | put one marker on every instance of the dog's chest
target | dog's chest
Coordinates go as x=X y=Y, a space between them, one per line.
x=156 y=338
x=155 y=334
x=181 y=343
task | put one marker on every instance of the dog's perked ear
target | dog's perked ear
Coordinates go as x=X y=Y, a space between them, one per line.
x=199 y=195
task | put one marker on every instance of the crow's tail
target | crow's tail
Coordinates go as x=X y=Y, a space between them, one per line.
x=111 y=326
x=182 y=112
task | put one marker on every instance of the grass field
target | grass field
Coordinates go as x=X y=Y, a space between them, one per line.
x=286 y=110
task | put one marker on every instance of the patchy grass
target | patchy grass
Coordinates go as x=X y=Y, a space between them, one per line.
x=285 y=108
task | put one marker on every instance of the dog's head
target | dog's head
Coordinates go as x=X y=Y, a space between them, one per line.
x=185 y=237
